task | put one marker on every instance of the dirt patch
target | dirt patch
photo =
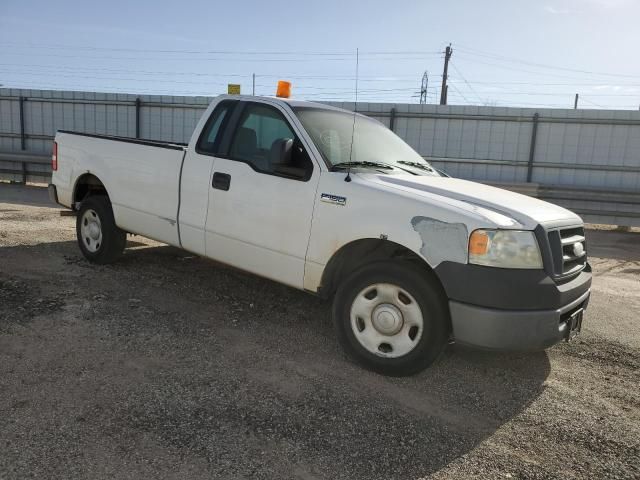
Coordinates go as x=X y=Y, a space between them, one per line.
x=166 y=365
x=20 y=302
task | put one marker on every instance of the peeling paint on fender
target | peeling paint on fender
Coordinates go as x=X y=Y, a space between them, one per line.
x=441 y=240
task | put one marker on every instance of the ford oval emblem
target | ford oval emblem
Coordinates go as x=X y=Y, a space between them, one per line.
x=578 y=249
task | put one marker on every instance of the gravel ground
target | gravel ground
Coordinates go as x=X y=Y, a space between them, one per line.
x=166 y=365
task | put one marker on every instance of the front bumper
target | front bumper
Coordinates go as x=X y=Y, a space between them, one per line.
x=512 y=329
x=510 y=309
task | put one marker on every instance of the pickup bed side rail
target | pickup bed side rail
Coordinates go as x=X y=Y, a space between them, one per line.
x=140 y=141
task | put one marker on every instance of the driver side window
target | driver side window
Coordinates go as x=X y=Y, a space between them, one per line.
x=265 y=141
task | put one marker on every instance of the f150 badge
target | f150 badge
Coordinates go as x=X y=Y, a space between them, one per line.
x=334 y=199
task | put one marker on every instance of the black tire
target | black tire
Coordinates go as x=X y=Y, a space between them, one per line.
x=112 y=241
x=426 y=291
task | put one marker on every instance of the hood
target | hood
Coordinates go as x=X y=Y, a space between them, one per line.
x=501 y=207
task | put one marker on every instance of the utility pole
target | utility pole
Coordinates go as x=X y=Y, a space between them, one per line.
x=575 y=103
x=443 y=90
x=424 y=87
x=254 y=85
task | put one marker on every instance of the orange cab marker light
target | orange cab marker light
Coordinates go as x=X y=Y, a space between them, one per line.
x=479 y=243
x=284 y=89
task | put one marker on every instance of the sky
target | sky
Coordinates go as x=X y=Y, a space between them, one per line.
x=527 y=53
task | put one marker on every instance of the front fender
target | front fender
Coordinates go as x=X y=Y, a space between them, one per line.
x=433 y=232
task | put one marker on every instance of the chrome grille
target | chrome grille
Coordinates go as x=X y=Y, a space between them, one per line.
x=568 y=249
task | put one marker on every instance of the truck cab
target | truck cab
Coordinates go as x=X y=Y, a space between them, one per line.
x=334 y=203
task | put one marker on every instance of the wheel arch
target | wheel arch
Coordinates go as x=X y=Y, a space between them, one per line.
x=358 y=253
x=86 y=185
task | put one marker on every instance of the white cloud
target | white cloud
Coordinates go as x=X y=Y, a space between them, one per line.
x=560 y=7
x=611 y=3
x=555 y=11
x=615 y=88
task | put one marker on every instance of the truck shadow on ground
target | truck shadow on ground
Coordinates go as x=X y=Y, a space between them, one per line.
x=19 y=194
x=202 y=368
x=614 y=245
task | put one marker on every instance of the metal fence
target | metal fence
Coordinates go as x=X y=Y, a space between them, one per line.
x=30 y=118
x=587 y=160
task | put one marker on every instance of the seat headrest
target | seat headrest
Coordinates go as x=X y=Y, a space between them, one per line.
x=246 y=141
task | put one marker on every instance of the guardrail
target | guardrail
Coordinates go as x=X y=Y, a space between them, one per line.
x=25 y=162
x=594 y=205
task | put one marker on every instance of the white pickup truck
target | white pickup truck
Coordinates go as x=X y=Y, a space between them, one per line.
x=334 y=203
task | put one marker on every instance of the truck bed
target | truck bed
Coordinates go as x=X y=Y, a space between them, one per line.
x=142 y=177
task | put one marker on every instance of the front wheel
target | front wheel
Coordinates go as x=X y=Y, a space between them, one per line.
x=100 y=240
x=391 y=317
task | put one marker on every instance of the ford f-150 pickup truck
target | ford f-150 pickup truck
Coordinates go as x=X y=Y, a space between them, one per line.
x=334 y=203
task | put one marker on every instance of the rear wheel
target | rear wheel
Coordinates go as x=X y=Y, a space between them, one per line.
x=100 y=240
x=391 y=317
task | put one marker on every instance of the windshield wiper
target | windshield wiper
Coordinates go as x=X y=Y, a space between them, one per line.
x=422 y=166
x=343 y=165
x=388 y=166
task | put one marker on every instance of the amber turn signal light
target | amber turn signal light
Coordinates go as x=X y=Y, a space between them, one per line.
x=479 y=243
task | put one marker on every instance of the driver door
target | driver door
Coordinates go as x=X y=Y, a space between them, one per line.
x=261 y=204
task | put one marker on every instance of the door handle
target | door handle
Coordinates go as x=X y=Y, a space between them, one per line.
x=221 y=181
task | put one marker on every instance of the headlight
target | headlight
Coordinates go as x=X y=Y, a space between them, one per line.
x=504 y=249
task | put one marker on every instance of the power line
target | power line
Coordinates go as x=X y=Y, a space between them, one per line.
x=596 y=84
x=56 y=71
x=307 y=85
x=109 y=78
x=541 y=65
x=209 y=92
x=211 y=59
x=465 y=81
x=371 y=78
x=471 y=58
x=394 y=77
x=459 y=92
x=221 y=52
x=592 y=103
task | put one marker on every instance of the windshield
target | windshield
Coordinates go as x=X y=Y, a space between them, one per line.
x=332 y=131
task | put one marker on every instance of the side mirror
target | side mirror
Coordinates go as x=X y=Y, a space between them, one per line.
x=282 y=151
x=290 y=160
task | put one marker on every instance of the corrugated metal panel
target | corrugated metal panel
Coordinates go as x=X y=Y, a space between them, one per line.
x=575 y=148
x=598 y=155
x=170 y=118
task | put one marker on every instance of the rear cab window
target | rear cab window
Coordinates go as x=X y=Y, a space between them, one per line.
x=211 y=136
